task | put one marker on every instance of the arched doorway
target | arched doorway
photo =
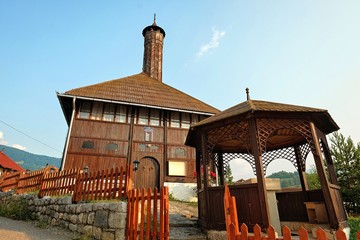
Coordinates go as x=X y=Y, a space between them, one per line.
x=147 y=176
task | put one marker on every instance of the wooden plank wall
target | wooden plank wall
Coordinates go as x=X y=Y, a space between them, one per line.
x=242 y=233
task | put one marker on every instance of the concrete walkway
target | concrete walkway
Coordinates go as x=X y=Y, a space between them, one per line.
x=21 y=230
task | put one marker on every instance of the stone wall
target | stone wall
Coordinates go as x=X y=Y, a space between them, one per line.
x=100 y=220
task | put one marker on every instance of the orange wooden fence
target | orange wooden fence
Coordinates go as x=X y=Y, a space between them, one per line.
x=148 y=214
x=59 y=183
x=30 y=182
x=10 y=181
x=107 y=184
x=232 y=226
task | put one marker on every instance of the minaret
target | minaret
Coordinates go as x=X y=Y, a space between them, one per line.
x=153 y=48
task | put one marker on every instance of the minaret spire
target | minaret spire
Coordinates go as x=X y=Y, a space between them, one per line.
x=153 y=50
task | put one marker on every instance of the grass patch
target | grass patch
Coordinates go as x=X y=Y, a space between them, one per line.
x=16 y=209
x=42 y=224
x=354 y=223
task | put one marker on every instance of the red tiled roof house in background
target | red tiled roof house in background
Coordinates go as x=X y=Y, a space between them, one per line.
x=114 y=123
x=8 y=165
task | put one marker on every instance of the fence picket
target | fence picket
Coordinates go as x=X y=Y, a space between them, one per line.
x=244 y=231
x=286 y=233
x=148 y=212
x=320 y=234
x=340 y=235
x=154 y=231
x=271 y=233
x=257 y=232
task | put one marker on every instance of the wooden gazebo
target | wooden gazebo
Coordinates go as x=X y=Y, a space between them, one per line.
x=259 y=132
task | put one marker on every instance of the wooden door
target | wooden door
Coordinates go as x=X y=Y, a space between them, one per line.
x=147 y=176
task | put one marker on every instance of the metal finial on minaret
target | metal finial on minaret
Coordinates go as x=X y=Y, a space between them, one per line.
x=154 y=19
x=247 y=94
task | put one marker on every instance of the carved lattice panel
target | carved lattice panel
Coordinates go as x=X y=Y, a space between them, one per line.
x=227 y=157
x=266 y=126
x=284 y=153
x=237 y=131
x=304 y=152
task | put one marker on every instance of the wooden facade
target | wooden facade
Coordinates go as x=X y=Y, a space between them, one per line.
x=114 y=123
x=260 y=132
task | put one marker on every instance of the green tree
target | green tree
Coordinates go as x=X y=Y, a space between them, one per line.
x=346 y=157
x=312 y=179
x=228 y=177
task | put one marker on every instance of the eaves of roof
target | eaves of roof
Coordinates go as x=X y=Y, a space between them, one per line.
x=142 y=90
x=8 y=163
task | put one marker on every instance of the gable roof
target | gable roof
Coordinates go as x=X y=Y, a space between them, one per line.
x=140 y=89
x=8 y=163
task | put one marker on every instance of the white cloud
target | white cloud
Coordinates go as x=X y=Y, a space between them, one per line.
x=214 y=42
x=2 y=141
x=241 y=169
x=18 y=146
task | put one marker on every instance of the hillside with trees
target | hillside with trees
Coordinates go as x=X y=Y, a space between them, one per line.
x=28 y=160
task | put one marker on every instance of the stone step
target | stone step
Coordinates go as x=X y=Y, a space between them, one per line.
x=186 y=233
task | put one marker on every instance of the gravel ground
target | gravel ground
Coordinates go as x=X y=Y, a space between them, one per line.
x=21 y=230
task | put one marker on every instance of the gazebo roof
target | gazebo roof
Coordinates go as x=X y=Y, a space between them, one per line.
x=272 y=109
x=264 y=110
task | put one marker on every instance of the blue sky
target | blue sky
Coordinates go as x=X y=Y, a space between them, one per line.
x=298 y=52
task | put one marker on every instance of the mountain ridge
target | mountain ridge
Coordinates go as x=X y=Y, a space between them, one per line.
x=29 y=161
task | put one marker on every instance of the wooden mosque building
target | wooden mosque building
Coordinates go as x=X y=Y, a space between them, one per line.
x=260 y=132
x=135 y=118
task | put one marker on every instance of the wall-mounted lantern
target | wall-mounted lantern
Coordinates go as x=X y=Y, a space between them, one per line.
x=86 y=169
x=136 y=165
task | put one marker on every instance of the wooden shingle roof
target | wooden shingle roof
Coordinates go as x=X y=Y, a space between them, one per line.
x=251 y=106
x=141 y=89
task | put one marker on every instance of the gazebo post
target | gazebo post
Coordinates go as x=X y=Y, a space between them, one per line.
x=302 y=173
x=206 y=176
x=198 y=174
x=259 y=173
x=221 y=168
x=323 y=178
x=329 y=160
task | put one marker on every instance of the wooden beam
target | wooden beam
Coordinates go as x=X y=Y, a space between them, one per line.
x=329 y=201
x=302 y=173
x=129 y=154
x=259 y=173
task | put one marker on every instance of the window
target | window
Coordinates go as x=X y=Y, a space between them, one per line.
x=111 y=147
x=143 y=117
x=175 y=119
x=120 y=114
x=97 y=110
x=194 y=118
x=185 y=120
x=88 y=145
x=85 y=109
x=148 y=134
x=177 y=168
x=109 y=112
x=179 y=152
x=155 y=117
